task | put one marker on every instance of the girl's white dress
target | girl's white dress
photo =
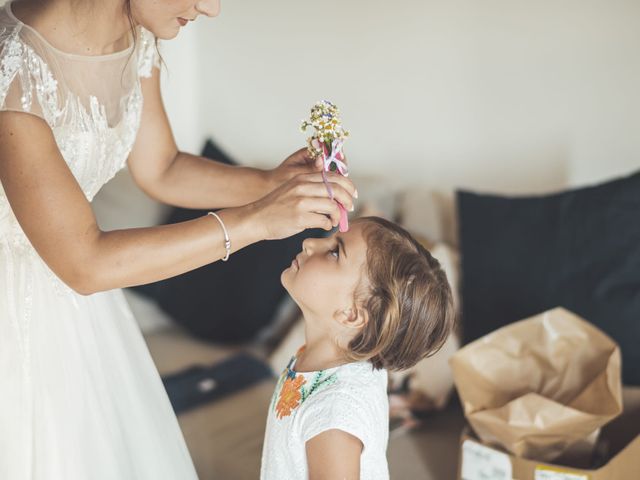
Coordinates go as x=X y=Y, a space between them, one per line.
x=80 y=397
x=351 y=398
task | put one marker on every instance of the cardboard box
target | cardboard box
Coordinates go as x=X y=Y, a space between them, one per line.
x=618 y=448
x=540 y=387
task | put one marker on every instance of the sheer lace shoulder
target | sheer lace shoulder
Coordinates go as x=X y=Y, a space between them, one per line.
x=148 y=57
x=26 y=82
x=37 y=78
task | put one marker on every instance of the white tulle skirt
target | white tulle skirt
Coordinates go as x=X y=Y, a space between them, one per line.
x=80 y=397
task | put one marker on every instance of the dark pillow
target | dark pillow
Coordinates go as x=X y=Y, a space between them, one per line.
x=228 y=301
x=578 y=249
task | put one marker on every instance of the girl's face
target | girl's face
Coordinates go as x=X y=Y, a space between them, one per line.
x=323 y=277
x=164 y=18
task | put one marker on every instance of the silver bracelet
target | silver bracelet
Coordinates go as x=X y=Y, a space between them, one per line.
x=227 y=242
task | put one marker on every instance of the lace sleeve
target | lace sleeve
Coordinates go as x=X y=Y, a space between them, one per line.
x=148 y=56
x=26 y=82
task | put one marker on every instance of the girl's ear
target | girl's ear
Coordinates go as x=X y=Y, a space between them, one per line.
x=353 y=317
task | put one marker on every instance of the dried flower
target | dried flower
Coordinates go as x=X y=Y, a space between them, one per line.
x=325 y=119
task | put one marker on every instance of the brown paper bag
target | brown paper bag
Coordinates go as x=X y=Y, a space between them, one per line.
x=540 y=386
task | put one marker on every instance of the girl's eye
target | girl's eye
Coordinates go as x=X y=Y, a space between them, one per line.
x=335 y=252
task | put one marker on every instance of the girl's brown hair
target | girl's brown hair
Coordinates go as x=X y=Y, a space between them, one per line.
x=407 y=298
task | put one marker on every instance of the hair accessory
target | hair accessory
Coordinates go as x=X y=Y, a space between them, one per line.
x=327 y=141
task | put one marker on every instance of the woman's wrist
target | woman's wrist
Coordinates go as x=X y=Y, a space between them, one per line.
x=271 y=180
x=243 y=226
x=266 y=181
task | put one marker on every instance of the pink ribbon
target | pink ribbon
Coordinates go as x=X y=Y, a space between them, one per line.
x=336 y=157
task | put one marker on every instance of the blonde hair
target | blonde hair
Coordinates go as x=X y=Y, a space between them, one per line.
x=407 y=298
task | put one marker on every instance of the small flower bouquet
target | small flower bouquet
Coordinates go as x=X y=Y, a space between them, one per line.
x=327 y=142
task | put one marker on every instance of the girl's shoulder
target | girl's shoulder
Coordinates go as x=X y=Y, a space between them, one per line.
x=355 y=402
x=353 y=385
x=363 y=374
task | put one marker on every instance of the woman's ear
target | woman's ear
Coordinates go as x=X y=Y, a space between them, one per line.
x=353 y=317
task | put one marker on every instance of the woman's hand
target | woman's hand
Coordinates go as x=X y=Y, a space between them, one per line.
x=298 y=163
x=301 y=203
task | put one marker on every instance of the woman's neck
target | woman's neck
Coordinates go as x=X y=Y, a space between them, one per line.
x=97 y=27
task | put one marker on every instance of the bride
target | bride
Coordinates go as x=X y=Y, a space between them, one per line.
x=79 y=97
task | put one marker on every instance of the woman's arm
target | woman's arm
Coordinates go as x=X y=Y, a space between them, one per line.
x=332 y=455
x=185 y=180
x=59 y=222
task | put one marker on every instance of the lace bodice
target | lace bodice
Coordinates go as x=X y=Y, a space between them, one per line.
x=92 y=103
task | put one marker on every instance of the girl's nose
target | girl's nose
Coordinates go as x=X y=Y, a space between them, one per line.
x=210 y=8
x=308 y=245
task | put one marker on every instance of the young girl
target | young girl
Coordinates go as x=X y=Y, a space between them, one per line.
x=80 y=98
x=373 y=299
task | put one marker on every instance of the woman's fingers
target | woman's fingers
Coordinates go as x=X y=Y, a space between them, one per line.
x=300 y=156
x=319 y=189
x=323 y=206
x=339 y=184
x=317 y=220
x=298 y=163
x=333 y=177
x=304 y=202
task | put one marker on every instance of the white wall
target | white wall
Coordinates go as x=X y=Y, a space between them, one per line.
x=504 y=95
x=181 y=89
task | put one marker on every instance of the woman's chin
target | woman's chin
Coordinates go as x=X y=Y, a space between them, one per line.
x=168 y=34
x=165 y=32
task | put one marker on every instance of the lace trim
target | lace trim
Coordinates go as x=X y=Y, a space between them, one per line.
x=18 y=59
x=148 y=56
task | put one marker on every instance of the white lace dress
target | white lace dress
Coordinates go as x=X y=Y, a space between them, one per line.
x=80 y=397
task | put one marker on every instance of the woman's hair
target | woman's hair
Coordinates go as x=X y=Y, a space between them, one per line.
x=407 y=298
x=132 y=24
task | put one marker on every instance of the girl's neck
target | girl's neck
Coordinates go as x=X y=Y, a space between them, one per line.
x=320 y=353
x=100 y=27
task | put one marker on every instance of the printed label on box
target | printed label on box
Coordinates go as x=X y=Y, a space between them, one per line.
x=548 y=473
x=484 y=463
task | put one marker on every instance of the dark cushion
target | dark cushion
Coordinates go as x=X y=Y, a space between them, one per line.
x=229 y=301
x=578 y=249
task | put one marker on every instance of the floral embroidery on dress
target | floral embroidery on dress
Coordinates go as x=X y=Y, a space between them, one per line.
x=293 y=389
x=290 y=395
